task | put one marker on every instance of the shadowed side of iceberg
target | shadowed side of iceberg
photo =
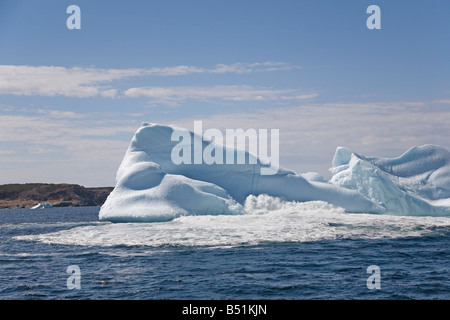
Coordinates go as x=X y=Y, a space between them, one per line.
x=151 y=187
x=145 y=193
x=423 y=170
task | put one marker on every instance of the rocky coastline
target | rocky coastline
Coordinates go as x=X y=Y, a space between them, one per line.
x=58 y=195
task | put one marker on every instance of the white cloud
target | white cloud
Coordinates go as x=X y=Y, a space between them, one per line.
x=58 y=114
x=90 y=82
x=59 y=146
x=237 y=68
x=240 y=68
x=175 y=95
x=54 y=81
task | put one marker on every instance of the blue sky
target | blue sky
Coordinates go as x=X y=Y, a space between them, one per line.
x=70 y=100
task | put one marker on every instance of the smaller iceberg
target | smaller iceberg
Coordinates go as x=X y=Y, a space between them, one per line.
x=416 y=183
x=42 y=206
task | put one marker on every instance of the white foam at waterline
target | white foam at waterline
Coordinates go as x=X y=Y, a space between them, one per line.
x=268 y=219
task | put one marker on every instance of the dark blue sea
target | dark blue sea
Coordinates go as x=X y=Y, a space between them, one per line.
x=309 y=252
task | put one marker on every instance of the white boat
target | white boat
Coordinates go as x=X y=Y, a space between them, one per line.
x=42 y=206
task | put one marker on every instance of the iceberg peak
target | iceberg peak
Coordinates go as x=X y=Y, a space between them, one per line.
x=342 y=156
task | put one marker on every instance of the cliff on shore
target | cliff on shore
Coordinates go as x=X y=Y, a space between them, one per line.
x=59 y=195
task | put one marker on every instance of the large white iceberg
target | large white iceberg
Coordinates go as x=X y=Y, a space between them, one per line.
x=151 y=187
x=416 y=183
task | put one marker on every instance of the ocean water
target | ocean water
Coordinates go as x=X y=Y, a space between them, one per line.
x=278 y=251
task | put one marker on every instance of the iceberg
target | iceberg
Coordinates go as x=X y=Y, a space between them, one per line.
x=416 y=183
x=150 y=187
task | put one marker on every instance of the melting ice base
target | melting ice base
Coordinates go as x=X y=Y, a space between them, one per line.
x=265 y=220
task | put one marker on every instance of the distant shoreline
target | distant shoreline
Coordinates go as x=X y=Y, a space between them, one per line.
x=28 y=195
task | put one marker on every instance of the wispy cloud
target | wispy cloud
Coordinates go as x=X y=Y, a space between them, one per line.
x=240 y=68
x=59 y=81
x=175 y=95
x=90 y=82
x=237 y=68
x=54 y=146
